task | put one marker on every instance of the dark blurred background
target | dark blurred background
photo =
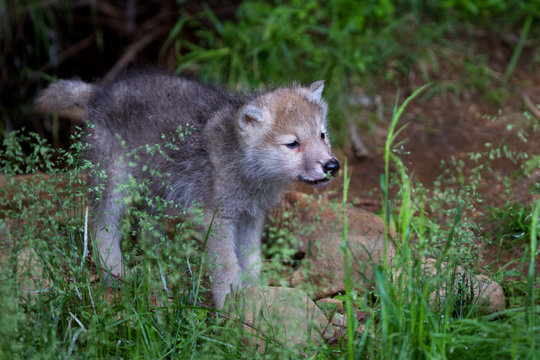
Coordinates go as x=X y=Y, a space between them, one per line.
x=463 y=47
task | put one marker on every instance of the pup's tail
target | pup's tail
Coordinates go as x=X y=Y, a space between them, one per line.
x=67 y=98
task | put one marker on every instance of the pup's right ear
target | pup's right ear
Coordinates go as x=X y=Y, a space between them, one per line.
x=250 y=115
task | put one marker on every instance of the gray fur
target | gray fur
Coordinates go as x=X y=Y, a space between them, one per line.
x=222 y=163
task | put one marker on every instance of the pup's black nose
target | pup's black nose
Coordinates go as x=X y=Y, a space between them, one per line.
x=331 y=166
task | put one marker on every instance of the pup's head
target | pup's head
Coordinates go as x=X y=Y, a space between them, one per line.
x=284 y=133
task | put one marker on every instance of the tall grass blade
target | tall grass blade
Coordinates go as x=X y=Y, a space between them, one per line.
x=85 y=239
x=203 y=251
x=531 y=277
x=351 y=324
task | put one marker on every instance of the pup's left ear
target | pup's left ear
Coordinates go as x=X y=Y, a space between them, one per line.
x=315 y=91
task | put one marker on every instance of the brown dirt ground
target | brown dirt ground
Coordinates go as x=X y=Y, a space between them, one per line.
x=439 y=129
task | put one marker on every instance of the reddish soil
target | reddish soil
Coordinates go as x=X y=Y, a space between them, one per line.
x=438 y=130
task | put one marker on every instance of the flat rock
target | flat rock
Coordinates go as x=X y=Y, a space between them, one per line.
x=285 y=315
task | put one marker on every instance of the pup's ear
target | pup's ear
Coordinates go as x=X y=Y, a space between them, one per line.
x=315 y=91
x=250 y=115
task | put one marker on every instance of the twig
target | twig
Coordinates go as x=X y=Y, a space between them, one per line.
x=530 y=104
x=153 y=30
x=69 y=52
x=329 y=323
x=360 y=150
x=340 y=333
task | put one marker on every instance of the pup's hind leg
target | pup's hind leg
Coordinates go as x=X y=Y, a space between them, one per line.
x=109 y=256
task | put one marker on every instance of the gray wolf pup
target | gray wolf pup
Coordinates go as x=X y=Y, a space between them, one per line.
x=241 y=152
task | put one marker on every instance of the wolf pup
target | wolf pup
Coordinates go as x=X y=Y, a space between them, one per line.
x=241 y=152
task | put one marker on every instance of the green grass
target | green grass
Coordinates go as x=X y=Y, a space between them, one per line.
x=53 y=305
x=350 y=44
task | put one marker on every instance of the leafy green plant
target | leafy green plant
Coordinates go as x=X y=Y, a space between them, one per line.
x=281 y=245
x=512 y=224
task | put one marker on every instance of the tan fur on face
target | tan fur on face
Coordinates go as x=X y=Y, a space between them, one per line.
x=293 y=114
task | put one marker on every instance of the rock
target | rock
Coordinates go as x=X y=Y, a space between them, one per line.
x=285 y=315
x=488 y=294
x=469 y=289
x=322 y=271
x=29 y=269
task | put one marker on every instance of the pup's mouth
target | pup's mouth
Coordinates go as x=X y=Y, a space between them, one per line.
x=322 y=181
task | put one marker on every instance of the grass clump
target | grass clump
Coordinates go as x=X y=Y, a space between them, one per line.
x=356 y=45
x=265 y=41
x=54 y=303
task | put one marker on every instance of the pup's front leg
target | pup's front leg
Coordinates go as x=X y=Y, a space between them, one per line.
x=248 y=248
x=225 y=269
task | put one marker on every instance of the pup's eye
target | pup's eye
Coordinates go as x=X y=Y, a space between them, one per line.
x=292 y=144
x=323 y=136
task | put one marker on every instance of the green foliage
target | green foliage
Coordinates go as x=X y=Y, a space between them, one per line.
x=417 y=313
x=485 y=9
x=512 y=224
x=281 y=244
x=351 y=43
x=268 y=40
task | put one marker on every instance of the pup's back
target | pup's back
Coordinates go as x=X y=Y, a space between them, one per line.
x=140 y=107
x=167 y=113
